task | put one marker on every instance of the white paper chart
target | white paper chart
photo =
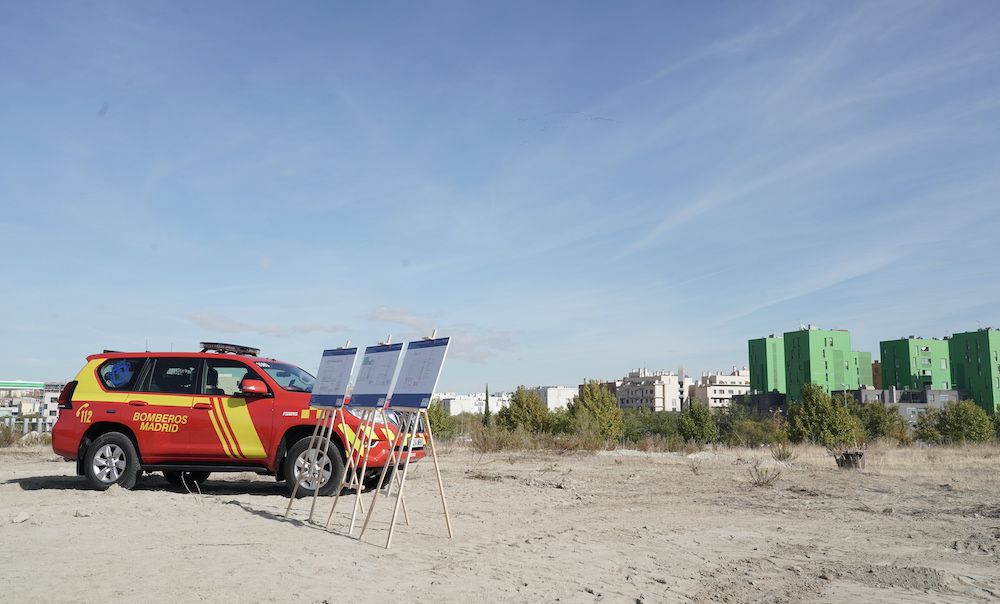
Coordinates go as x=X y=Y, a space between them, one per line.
x=333 y=376
x=375 y=376
x=419 y=374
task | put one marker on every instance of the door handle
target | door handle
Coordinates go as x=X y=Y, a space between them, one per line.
x=138 y=403
x=202 y=406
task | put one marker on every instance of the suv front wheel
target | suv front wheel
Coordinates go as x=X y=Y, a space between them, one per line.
x=325 y=471
x=111 y=459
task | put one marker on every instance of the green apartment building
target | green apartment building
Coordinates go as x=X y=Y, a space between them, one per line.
x=916 y=364
x=767 y=364
x=975 y=366
x=823 y=357
x=863 y=362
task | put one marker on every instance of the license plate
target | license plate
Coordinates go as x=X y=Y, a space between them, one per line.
x=418 y=441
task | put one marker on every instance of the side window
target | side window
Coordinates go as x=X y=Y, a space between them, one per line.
x=120 y=374
x=173 y=376
x=223 y=377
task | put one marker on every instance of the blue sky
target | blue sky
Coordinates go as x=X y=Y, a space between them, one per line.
x=570 y=190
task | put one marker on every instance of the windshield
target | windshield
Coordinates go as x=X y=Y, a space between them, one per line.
x=288 y=376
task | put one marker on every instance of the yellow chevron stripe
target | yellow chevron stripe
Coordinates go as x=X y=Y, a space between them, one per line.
x=238 y=415
x=218 y=432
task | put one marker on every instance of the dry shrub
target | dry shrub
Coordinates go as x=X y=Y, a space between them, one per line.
x=783 y=452
x=8 y=437
x=691 y=447
x=762 y=477
x=659 y=443
x=493 y=439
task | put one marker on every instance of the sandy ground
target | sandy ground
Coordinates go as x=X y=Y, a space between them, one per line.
x=915 y=526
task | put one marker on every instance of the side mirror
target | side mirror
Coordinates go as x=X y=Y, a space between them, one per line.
x=253 y=389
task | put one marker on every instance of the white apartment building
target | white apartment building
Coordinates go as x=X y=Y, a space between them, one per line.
x=455 y=404
x=717 y=389
x=653 y=390
x=555 y=397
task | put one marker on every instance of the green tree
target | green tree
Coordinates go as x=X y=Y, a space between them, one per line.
x=442 y=424
x=596 y=410
x=526 y=411
x=964 y=421
x=643 y=423
x=816 y=418
x=926 y=429
x=996 y=424
x=696 y=423
x=880 y=420
x=487 y=416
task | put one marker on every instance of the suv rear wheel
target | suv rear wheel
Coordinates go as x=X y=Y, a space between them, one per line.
x=326 y=471
x=111 y=459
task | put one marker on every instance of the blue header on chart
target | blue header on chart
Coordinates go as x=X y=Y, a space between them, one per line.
x=384 y=348
x=336 y=352
x=427 y=344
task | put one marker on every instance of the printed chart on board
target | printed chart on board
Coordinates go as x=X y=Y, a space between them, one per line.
x=375 y=374
x=333 y=376
x=419 y=373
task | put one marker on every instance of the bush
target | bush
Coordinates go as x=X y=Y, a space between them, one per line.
x=442 y=424
x=493 y=439
x=643 y=424
x=696 y=423
x=817 y=419
x=763 y=477
x=926 y=429
x=8 y=436
x=526 y=411
x=880 y=420
x=783 y=452
x=958 y=423
x=595 y=410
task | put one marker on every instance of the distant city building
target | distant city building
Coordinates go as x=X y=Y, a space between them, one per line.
x=914 y=363
x=555 y=397
x=823 y=357
x=910 y=402
x=456 y=404
x=767 y=364
x=652 y=390
x=762 y=404
x=975 y=366
x=877 y=375
x=718 y=389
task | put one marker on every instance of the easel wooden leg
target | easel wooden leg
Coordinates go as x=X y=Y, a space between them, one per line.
x=398 y=437
x=368 y=430
x=347 y=467
x=437 y=470
x=402 y=482
x=324 y=445
x=298 y=479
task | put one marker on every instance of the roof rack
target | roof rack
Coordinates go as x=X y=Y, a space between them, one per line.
x=231 y=348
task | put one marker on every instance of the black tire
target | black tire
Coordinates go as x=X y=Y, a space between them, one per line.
x=331 y=461
x=371 y=481
x=178 y=479
x=111 y=459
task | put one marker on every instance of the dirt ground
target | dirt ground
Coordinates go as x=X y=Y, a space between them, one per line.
x=917 y=525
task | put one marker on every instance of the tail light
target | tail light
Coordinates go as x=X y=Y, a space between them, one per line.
x=65 y=399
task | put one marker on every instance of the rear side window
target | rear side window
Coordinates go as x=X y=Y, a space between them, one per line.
x=120 y=374
x=173 y=376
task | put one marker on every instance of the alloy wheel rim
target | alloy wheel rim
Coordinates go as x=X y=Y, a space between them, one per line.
x=109 y=463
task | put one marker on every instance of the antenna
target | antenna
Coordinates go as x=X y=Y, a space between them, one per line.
x=388 y=340
x=147 y=344
x=433 y=335
x=347 y=344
